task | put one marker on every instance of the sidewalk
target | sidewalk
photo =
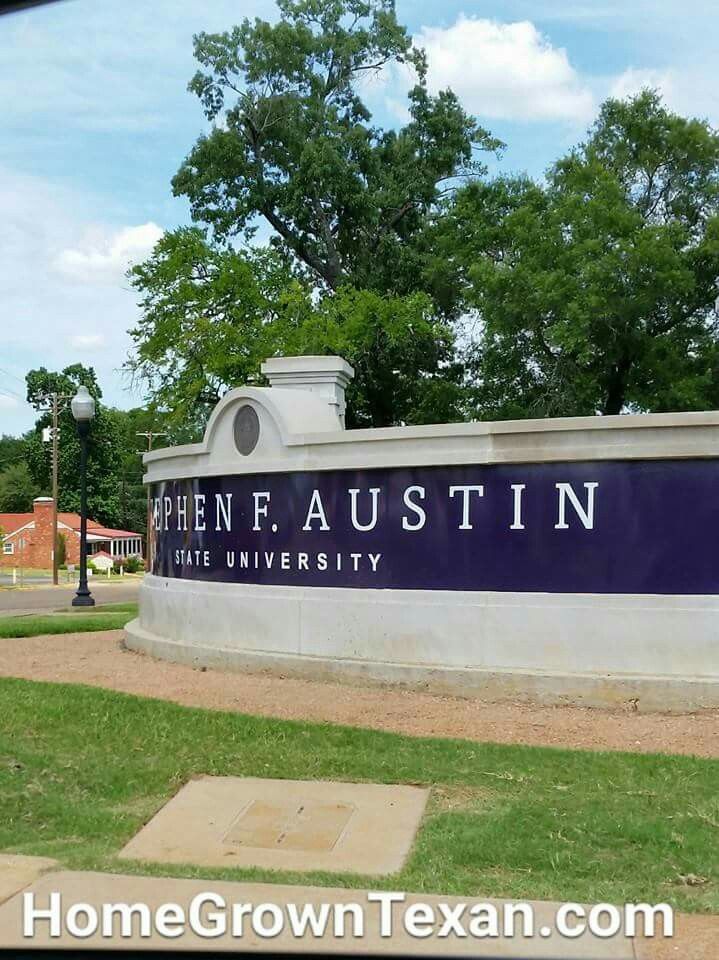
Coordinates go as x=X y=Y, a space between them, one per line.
x=39 y=876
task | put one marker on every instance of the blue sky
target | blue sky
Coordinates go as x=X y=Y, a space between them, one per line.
x=96 y=119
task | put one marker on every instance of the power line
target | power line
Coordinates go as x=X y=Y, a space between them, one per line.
x=7 y=372
x=12 y=394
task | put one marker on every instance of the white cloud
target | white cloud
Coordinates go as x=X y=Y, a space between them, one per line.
x=105 y=257
x=691 y=92
x=505 y=70
x=633 y=81
x=106 y=67
x=87 y=341
x=7 y=403
x=48 y=317
x=398 y=108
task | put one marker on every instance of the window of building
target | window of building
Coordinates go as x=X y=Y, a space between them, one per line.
x=8 y=548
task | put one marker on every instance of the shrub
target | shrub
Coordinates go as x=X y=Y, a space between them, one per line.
x=61 y=549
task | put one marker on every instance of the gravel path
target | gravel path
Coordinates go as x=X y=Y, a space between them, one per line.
x=97 y=659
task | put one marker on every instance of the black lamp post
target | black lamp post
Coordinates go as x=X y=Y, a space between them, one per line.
x=83 y=410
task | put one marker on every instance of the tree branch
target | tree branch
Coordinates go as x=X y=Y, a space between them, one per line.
x=268 y=211
x=334 y=265
x=311 y=259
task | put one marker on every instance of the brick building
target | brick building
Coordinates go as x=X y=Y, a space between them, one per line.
x=27 y=537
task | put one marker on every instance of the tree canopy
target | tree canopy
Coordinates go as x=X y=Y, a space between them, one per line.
x=17 y=489
x=294 y=143
x=595 y=293
x=211 y=316
x=103 y=450
x=207 y=319
x=347 y=205
x=452 y=294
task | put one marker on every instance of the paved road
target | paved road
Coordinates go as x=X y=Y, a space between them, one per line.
x=52 y=598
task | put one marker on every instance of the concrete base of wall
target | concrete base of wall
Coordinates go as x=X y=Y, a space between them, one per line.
x=665 y=694
x=654 y=653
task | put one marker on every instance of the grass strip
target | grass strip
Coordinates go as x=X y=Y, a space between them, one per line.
x=39 y=625
x=82 y=769
x=105 y=608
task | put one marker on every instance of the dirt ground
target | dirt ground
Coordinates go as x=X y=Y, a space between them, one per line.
x=98 y=659
x=695 y=938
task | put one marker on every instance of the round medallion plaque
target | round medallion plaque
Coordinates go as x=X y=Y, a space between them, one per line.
x=247 y=429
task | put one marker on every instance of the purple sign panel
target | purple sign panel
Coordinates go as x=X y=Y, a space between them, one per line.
x=647 y=527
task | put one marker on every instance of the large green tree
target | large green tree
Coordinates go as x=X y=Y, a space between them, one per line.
x=103 y=469
x=210 y=316
x=595 y=292
x=294 y=143
x=293 y=148
x=403 y=355
x=208 y=319
x=17 y=489
x=12 y=449
x=136 y=429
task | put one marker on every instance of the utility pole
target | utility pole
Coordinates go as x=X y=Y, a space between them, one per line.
x=54 y=486
x=55 y=399
x=149 y=435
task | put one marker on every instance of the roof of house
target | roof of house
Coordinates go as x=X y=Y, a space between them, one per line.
x=109 y=533
x=11 y=522
x=72 y=520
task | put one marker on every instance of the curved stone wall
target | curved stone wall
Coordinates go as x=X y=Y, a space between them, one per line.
x=568 y=560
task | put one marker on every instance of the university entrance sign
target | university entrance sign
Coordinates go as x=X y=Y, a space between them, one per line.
x=613 y=527
x=574 y=558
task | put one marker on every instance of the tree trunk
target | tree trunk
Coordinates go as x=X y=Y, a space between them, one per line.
x=616 y=390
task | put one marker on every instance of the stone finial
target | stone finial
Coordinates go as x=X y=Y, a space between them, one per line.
x=327 y=376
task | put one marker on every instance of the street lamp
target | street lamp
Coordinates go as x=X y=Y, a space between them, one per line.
x=83 y=410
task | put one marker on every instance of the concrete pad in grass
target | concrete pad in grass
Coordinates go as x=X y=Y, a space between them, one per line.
x=299 y=825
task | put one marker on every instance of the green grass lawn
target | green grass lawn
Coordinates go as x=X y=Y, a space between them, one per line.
x=128 y=607
x=81 y=769
x=107 y=616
